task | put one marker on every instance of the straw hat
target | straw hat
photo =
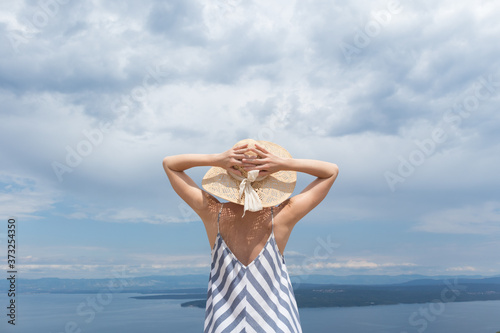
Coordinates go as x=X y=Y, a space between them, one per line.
x=250 y=190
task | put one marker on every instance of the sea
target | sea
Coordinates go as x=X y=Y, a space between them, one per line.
x=118 y=313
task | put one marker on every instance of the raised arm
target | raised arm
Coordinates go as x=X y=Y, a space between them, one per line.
x=185 y=187
x=301 y=204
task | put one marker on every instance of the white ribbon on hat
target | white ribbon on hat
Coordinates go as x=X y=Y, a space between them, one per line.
x=252 y=200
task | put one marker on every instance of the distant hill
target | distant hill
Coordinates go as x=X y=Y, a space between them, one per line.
x=145 y=284
x=310 y=291
x=460 y=280
x=164 y=284
x=370 y=279
x=419 y=291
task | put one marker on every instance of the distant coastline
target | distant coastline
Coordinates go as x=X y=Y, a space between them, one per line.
x=419 y=291
x=319 y=291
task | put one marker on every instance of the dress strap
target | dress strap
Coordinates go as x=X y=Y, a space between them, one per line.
x=218 y=217
x=272 y=221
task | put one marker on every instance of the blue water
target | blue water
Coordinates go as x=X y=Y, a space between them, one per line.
x=58 y=313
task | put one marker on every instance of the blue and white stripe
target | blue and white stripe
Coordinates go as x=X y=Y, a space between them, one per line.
x=253 y=298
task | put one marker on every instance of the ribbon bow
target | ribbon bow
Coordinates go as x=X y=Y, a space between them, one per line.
x=252 y=200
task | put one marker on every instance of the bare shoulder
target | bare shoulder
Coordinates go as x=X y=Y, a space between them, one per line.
x=295 y=208
x=285 y=214
x=208 y=215
x=210 y=209
x=292 y=210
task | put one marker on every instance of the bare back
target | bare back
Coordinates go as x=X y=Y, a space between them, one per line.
x=246 y=236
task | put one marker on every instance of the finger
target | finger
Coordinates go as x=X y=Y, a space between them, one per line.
x=257 y=167
x=262 y=151
x=249 y=158
x=251 y=161
x=237 y=162
x=234 y=171
x=238 y=157
x=250 y=167
x=256 y=162
x=258 y=152
x=262 y=148
x=240 y=150
x=262 y=172
x=260 y=160
x=240 y=153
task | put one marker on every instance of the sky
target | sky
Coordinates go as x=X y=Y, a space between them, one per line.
x=403 y=96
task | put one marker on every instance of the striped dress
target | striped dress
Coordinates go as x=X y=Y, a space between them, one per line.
x=257 y=297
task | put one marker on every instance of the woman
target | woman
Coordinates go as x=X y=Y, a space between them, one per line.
x=249 y=287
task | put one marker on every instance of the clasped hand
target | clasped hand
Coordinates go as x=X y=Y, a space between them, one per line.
x=268 y=163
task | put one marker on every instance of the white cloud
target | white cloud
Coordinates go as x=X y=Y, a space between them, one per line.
x=339 y=267
x=23 y=197
x=135 y=264
x=471 y=219
x=235 y=69
x=461 y=269
x=133 y=215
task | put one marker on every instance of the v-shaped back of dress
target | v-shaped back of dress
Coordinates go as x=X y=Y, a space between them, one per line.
x=256 y=297
x=231 y=253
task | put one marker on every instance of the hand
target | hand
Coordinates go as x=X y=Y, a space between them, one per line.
x=233 y=157
x=267 y=164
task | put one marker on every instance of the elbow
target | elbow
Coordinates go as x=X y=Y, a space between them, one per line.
x=335 y=170
x=165 y=162
x=331 y=172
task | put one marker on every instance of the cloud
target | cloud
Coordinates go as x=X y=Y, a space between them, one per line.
x=134 y=215
x=23 y=197
x=461 y=269
x=196 y=77
x=135 y=265
x=180 y=21
x=471 y=219
x=300 y=264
